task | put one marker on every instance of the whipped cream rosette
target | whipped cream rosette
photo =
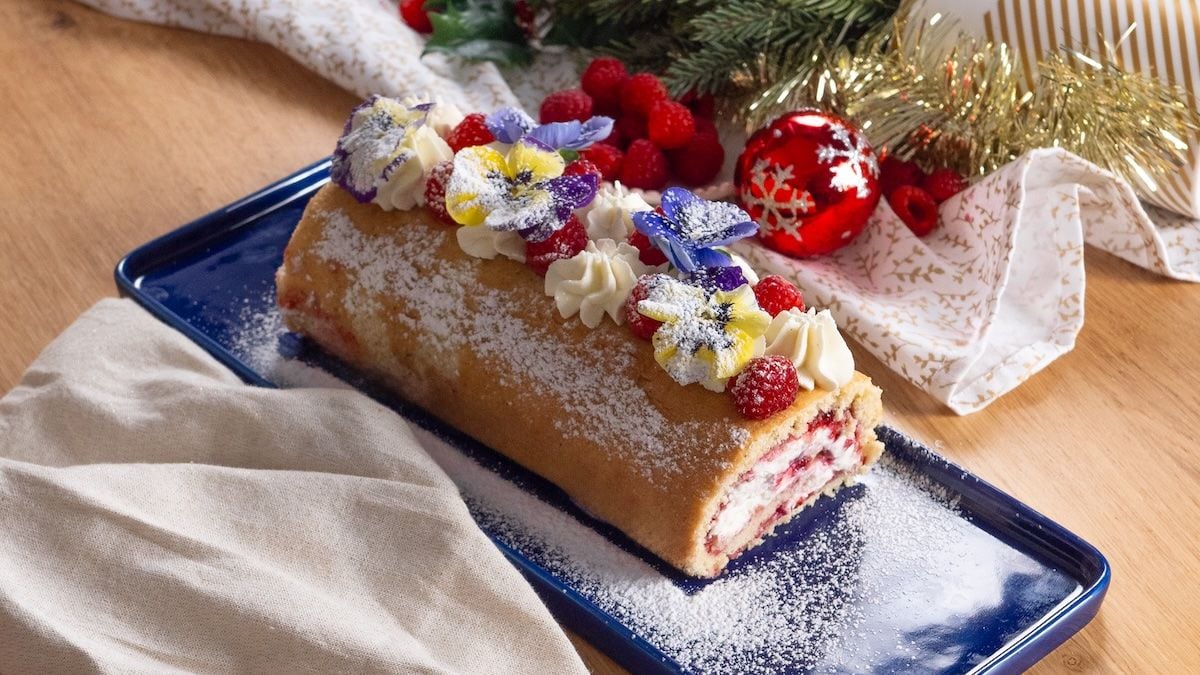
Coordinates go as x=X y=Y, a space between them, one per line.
x=443 y=116
x=595 y=282
x=610 y=215
x=812 y=341
x=486 y=243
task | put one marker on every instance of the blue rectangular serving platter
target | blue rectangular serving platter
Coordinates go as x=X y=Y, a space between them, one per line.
x=1002 y=588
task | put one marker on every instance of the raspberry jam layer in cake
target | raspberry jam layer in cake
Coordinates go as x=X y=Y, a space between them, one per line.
x=806 y=464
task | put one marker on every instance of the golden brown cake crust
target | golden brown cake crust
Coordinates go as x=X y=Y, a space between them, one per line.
x=478 y=343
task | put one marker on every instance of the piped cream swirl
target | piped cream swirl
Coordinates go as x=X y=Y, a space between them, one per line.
x=442 y=117
x=597 y=281
x=486 y=243
x=812 y=341
x=608 y=216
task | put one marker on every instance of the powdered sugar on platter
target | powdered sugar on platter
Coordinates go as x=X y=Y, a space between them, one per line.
x=864 y=583
x=257 y=341
x=811 y=607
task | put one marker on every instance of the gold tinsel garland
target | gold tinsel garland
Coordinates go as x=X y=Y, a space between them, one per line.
x=927 y=91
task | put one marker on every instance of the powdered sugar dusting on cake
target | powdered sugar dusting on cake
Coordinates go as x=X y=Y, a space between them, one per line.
x=827 y=604
x=603 y=405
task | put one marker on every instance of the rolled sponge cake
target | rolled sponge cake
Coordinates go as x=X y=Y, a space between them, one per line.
x=478 y=344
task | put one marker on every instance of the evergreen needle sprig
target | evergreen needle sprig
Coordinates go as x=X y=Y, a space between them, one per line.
x=731 y=47
x=930 y=92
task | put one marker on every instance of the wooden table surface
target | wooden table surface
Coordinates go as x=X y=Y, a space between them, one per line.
x=115 y=132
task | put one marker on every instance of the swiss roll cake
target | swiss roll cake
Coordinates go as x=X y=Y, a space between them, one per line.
x=654 y=379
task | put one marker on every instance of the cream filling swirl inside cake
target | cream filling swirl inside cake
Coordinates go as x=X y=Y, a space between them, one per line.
x=788 y=475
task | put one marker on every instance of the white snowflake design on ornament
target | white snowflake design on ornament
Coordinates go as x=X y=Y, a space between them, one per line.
x=856 y=158
x=777 y=213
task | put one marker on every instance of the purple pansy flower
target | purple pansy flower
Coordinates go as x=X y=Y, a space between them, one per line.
x=714 y=279
x=375 y=141
x=567 y=194
x=690 y=227
x=510 y=125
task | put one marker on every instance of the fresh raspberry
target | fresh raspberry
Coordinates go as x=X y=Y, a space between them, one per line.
x=583 y=166
x=701 y=105
x=767 y=385
x=648 y=253
x=568 y=241
x=698 y=162
x=471 y=131
x=645 y=166
x=564 y=106
x=916 y=208
x=640 y=92
x=605 y=157
x=435 y=190
x=631 y=126
x=943 y=184
x=614 y=138
x=705 y=126
x=602 y=81
x=776 y=294
x=640 y=324
x=670 y=124
x=414 y=14
x=894 y=172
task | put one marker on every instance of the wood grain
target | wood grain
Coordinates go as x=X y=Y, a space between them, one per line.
x=115 y=132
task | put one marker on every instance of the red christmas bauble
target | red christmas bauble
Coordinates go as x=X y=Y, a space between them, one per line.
x=810 y=180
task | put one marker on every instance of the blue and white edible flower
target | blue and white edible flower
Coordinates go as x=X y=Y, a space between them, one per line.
x=510 y=125
x=690 y=228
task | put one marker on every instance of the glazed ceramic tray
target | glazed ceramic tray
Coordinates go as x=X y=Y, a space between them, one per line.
x=922 y=567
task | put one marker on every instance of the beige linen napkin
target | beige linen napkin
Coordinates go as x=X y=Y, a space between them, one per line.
x=160 y=516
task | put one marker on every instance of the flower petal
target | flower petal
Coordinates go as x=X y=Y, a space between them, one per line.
x=651 y=223
x=478 y=179
x=594 y=130
x=529 y=209
x=509 y=124
x=534 y=164
x=573 y=191
x=673 y=200
x=708 y=257
x=370 y=143
x=556 y=134
x=717 y=278
x=682 y=256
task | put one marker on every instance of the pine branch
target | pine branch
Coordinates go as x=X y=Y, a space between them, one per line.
x=750 y=44
x=615 y=11
x=733 y=47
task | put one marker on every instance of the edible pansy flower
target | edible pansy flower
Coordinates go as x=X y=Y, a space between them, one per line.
x=510 y=125
x=689 y=228
x=705 y=337
x=377 y=140
x=718 y=278
x=522 y=191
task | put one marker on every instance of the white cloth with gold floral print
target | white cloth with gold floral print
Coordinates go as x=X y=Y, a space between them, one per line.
x=966 y=314
x=995 y=293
